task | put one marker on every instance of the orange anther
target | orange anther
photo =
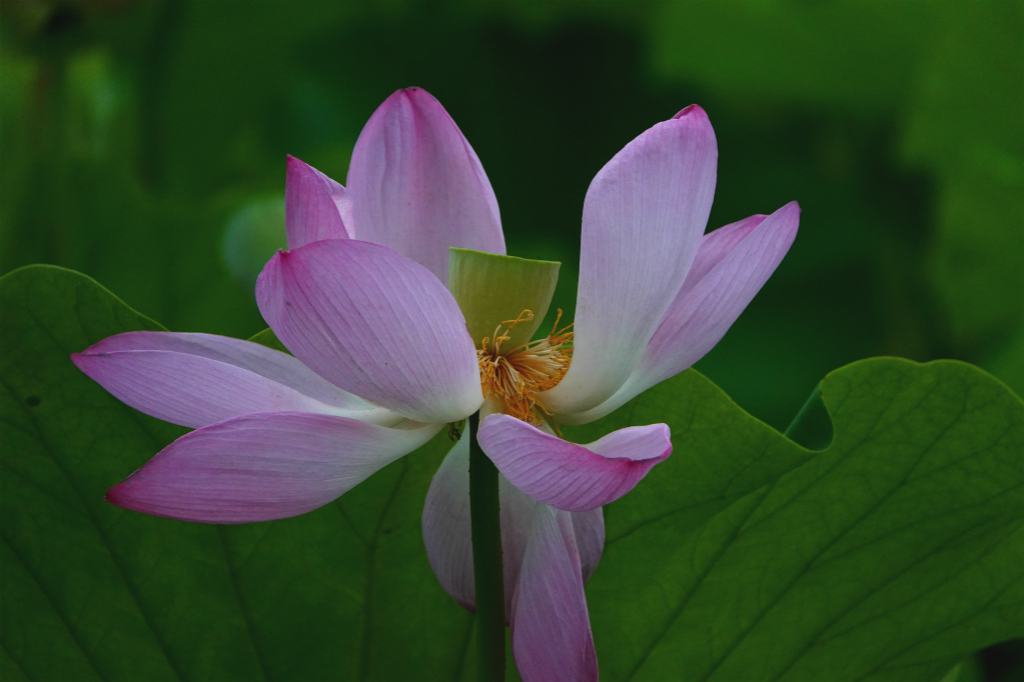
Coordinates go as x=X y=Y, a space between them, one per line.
x=516 y=377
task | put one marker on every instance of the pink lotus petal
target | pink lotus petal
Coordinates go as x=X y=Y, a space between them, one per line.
x=268 y=363
x=703 y=312
x=700 y=317
x=259 y=467
x=447 y=530
x=569 y=476
x=418 y=187
x=313 y=205
x=589 y=527
x=376 y=324
x=194 y=391
x=714 y=246
x=643 y=219
x=516 y=524
x=551 y=636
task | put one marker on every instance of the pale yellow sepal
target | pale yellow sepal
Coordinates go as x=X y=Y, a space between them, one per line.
x=492 y=289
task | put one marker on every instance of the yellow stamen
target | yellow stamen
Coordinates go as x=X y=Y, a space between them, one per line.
x=516 y=376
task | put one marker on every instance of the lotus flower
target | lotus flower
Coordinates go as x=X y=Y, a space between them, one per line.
x=383 y=358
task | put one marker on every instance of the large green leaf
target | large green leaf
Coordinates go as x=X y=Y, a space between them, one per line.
x=890 y=555
x=91 y=591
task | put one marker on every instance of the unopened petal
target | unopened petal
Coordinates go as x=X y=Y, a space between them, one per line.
x=376 y=324
x=260 y=467
x=704 y=311
x=314 y=205
x=551 y=636
x=643 y=219
x=570 y=476
x=418 y=187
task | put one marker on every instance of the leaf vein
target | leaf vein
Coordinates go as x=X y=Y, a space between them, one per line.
x=370 y=583
x=56 y=609
x=243 y=606
x=103 y=536
x=821 y=638
x=802 y=572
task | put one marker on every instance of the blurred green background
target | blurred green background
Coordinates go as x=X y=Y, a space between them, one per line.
x=143 y=143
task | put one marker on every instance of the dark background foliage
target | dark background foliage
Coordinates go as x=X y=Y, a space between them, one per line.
x=142 y=142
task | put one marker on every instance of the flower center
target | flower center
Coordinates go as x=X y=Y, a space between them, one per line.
x=514 y=377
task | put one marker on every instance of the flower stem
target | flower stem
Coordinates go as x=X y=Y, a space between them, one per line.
x=485 y=516
x=812 y=426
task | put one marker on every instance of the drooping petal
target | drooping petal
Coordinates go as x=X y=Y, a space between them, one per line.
x=314 y=205
x=198 y=379
x=569 y=476
x=376 y=324
x=259 y=467
x=516 y=525
x=589 y=527
x=551 y=636
x=418 y=187
x=702 y=313
x=643 y=219
x=447 y=530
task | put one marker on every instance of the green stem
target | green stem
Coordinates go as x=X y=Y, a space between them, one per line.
x=812 y=426
x=485 y=515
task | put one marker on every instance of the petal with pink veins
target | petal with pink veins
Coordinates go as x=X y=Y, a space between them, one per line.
x=551 y=636
x=703 y=312
x=260 y=467
x=314 y=205
x=376 y=324
x=418 y=187
x=714 y=246
x=700 y=317
x=198 y=379
x=255 y=357
x=569 y=476
x=643 y=219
